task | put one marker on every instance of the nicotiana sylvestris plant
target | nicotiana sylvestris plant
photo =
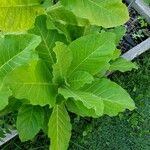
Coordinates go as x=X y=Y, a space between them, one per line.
x=54 y=57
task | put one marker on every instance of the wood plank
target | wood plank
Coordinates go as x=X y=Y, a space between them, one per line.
x=141 y=7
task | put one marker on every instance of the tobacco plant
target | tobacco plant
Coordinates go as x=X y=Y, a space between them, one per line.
x=54 y=57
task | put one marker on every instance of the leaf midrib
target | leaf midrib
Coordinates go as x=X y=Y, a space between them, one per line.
x=86 y=58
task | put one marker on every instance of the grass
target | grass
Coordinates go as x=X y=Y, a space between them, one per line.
x=127 y=131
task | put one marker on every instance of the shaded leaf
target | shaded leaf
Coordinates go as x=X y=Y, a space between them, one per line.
x=29 y=121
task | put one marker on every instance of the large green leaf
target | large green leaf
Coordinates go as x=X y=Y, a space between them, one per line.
x=115 y=98
x=123 y=65
x=88 y=99
x=33 y=82
x=19 y=15
x=79 y=79
x=78 y=108
x=29 y=121
x=64 y=58
x=92 y=52
x=49 y=37
x=15 y=50
x=106 y=13
x=59 y=128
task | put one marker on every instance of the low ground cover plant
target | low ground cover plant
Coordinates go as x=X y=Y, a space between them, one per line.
x=54 y=57
x=147 y=1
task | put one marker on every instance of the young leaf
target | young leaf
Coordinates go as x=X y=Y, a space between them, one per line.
x=15 y=50
x=79 y=79
x=19 y=14
x=88 y=99
x=92 y=52
x=78 y=108
x=49 y=37
x=122 y=65
x=29 y=121
x=33 y=82
x=115 y=98
x=59 y=128
x=105 y=13
x=64 y=58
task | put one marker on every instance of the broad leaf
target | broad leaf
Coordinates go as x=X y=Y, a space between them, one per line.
x=64 y=58
x=88 y=99
x=33 y=82
x=92 y=52
x=49 y=37
x=79 y=79
x=59 y=128
x=105 y=13
x=115 y=98
x=15 y=50
x=18 y=15
x=78 y=108
x=29 y=121
x=123 y=65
